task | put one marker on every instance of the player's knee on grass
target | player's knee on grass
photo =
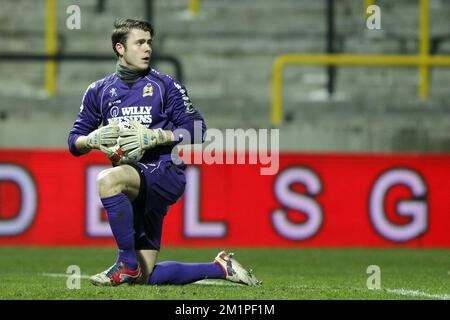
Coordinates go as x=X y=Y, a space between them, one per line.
x=147 y=260
x=113 y=181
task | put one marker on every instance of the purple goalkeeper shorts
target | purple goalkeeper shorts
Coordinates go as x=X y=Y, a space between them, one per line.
x=162 y=184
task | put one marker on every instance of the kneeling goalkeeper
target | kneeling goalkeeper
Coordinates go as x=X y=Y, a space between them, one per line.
x=137 y=196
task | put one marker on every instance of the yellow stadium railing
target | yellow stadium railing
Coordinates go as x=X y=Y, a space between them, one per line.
x=51 y=45
x=194 y=7
x=368 y=3
x=423 y=60
x=424 y=46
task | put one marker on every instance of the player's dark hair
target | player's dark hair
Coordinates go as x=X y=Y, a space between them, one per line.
x=123 y=26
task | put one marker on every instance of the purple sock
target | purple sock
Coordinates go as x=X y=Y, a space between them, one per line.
x=120 y=217
x=172 y=272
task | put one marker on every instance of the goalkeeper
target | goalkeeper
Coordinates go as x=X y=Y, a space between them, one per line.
x=137 y=196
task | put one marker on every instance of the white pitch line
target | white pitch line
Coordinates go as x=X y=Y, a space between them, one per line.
x=62 y=275
x=217 y=283
x=415 y=293
x=404 y=292
x=203 y=282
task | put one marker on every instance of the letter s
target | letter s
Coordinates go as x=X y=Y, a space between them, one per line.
x=299 y=202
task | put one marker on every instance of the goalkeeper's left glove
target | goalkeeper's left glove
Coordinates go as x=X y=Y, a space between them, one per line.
x=139 y=137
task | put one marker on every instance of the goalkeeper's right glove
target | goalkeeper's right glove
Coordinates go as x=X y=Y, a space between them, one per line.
x=106 y=135
x=139 y=137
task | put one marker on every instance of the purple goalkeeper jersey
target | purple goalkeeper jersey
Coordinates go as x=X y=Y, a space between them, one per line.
x=156 y=101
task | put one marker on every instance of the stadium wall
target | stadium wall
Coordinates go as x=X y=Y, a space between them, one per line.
x=48 y=197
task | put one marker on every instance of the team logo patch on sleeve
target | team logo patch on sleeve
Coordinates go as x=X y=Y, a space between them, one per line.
x=148 y=90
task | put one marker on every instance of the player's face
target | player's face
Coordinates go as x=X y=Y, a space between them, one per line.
x=138 y=50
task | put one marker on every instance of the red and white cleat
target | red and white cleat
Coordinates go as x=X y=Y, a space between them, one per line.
x=116 y=275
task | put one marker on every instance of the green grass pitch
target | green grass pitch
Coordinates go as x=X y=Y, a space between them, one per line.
x=40 y=273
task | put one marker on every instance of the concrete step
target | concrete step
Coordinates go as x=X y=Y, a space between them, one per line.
x=244 y=44
x=22 y=78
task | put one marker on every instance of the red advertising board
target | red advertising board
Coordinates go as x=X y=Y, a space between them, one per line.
x=48 y=197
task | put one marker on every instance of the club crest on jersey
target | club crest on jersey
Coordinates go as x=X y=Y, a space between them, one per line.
x=148 y=90
x=113 y=92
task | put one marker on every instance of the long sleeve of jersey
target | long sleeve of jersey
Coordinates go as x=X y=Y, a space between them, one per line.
x=182 y=113
x=88 y=119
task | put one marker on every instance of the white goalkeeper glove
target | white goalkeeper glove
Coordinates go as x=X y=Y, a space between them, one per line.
x=114 y=153
x=137 y=137
x=106 y=135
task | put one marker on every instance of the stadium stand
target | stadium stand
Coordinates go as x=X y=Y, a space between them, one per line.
x=227 y=53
